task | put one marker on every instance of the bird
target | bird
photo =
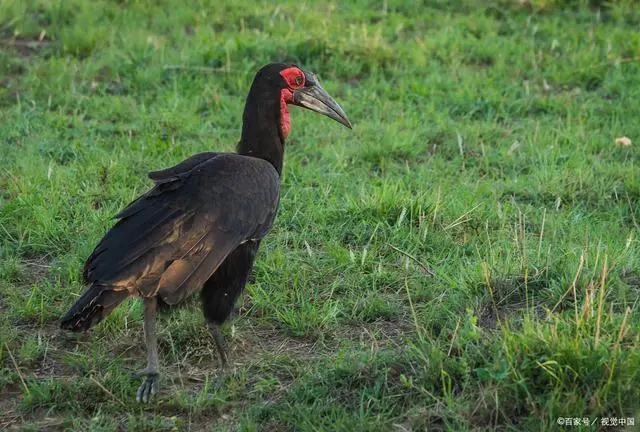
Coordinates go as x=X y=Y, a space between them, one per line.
x=200 y=226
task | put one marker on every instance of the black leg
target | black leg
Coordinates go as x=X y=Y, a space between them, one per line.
x=221 y=347
x=220 y=292
x=149 y=387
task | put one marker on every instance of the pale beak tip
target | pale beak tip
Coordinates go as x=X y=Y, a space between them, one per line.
x=346 y=122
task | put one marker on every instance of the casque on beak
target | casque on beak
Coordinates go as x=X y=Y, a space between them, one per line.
x=315 y=98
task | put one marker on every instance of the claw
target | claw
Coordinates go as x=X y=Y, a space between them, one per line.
x=148 y=388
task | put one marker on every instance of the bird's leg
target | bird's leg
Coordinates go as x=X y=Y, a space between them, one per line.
x=150 y=386
x=221 y=346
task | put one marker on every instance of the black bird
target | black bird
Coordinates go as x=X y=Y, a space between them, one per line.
x=200 y=226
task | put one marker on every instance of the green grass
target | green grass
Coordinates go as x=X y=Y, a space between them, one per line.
x=483 y=149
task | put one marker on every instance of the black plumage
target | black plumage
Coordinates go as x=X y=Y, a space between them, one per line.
x=200 y=226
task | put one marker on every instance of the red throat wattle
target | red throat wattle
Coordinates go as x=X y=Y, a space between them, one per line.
x=286 y=97
x=294 y=78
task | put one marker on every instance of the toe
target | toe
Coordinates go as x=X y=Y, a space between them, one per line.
x=145 y=395
x=139 y=393
x=154 y=386
x=147 y=389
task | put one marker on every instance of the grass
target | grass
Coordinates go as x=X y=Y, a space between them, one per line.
x=483 y=150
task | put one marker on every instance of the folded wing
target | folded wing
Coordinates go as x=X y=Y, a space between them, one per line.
x=171 y=240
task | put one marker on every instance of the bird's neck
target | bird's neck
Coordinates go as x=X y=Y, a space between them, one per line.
x=262 y=134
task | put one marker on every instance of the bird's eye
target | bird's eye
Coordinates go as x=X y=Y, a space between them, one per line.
x=293 y=77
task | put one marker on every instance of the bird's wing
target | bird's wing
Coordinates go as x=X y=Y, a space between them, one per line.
x=166 y=175
x=171 y=239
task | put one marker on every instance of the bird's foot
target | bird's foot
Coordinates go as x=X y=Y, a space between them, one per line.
x=148 y=388
x=221 y=348
x=220 y=379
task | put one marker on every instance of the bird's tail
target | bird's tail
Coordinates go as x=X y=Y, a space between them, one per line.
x=92 y=307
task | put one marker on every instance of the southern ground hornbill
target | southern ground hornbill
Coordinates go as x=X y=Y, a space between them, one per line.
x=200 y=226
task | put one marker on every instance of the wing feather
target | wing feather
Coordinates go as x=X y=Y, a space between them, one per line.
x=169 y=241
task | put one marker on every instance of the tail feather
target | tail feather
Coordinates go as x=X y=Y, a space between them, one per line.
x=95 y=304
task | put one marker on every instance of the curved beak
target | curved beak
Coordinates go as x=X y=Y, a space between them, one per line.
x=315 y=98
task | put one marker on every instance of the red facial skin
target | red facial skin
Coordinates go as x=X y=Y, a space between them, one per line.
x=295 y=80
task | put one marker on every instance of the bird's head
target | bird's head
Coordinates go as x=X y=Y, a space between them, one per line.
x=299 y=87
